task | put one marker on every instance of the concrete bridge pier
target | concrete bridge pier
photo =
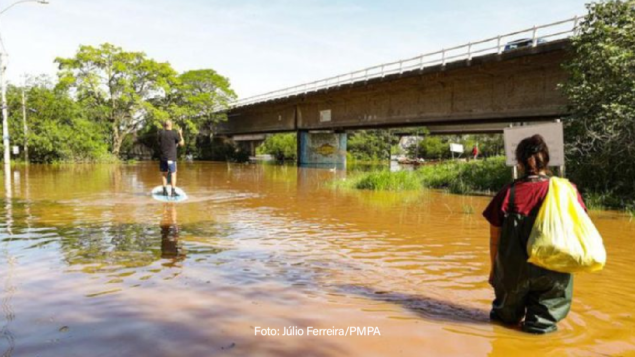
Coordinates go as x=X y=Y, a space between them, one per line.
x=248 y=147
x=322 y=148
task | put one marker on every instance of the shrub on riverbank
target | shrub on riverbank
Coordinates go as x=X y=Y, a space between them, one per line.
x=282 y=147
x=455 y=176
x=482 y=176
x=60 y=130
x=371 y=145
x=599 y=88
x=387 y=181
x=608 y=200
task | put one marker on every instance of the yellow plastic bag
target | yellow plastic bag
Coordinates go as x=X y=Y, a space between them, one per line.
x=563 y=237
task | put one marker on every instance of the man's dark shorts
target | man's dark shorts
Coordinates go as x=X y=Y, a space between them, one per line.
x=167 y=166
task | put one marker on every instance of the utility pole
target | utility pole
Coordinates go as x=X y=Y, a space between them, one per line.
x=5 y=115
x=26 y=128
x=3 y=89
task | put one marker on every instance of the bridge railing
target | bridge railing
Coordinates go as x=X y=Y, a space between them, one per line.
x=499 y=44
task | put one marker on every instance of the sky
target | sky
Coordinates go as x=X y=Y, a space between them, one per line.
x=262 y=45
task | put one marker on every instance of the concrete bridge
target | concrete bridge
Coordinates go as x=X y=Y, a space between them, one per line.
x=470 y=88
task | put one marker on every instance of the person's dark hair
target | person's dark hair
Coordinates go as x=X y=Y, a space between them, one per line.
x=533 y=154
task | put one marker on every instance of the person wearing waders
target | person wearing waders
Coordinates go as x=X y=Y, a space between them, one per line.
x=168 y=140
x=525 y=294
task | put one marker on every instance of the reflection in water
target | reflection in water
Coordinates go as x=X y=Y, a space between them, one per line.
x=275 y=247
x=110 y=247
x=8 y=287
x=170 y=248
x=8 y=197
x=7 y=309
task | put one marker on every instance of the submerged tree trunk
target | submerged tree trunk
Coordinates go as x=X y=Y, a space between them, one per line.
x=116 y=138
x=116 y=148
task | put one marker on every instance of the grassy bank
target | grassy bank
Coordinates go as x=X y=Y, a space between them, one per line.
x=457 y=177
x=482 y=176
x=607 y=200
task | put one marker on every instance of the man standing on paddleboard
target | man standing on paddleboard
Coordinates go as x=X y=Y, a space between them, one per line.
x=168 y=140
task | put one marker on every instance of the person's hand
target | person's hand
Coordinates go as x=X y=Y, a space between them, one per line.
x=180 y=131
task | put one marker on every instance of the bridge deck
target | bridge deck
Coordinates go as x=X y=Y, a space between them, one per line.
x=514 y=86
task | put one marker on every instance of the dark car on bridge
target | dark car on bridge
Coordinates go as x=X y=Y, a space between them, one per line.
x=523 y=42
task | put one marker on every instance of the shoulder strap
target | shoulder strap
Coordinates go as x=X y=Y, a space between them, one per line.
x=512 y=196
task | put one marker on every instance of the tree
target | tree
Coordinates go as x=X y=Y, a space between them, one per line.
x=489 y=144
x=372 y=145
x=280 y=146
x=58 y=127
x=197 y=102
x=601 y=92
x=205 y=93
x=434 y=148
x=119 y=88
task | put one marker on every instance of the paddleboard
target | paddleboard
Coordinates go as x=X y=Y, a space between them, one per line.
x=157 y=194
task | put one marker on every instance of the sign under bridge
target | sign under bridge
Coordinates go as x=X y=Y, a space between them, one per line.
x=552 y=133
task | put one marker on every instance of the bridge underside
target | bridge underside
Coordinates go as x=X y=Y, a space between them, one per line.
x=515 y=86
x=460 y=129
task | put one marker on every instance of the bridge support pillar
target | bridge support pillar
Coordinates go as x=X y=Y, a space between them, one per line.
x=322 y=148
x=249 y=146
x=249 y=143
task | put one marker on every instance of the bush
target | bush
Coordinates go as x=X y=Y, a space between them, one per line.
x=599 y=133
x=281 y=146
x=456 y=176
x=371 y=145
x=438 y=147
x=389 y=181
x=77 y=142
x=434 y=148
x=463 y=177
x=58 y=127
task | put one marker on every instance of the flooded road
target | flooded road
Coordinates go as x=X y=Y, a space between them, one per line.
x=90 y=265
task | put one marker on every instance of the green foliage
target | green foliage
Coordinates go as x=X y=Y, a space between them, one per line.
x=601 y=200
x=378 y=145
x=455 y=176
x=388 y=181
x=196 y=103
x=488 y=144
x=119 y=89
x=58 y=127
x=438 y=147
x=601 y=92
x=483 y=175
x=434 y=148
x=280 y=146
x=108 y=100
x=371 y=145
x=203 y=92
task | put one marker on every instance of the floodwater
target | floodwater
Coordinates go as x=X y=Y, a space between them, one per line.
x=90 y=265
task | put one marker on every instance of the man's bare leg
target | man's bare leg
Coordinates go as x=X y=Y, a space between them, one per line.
x=164 y=179
x=173 y=183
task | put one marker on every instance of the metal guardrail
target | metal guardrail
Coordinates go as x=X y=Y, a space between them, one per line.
x=561 y=29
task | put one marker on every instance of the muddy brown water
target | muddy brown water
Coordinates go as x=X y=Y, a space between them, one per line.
x=90 y=265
